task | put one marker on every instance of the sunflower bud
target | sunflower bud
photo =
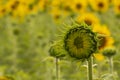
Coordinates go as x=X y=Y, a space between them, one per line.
x=56 y=50
x=109 y=52
x=80 y=42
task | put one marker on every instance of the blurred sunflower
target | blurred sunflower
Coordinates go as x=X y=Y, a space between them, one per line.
x=111 y=2
x=56 y=3
x=66 y=7
x=2 y=11
x=56 y=14
x=17 y=8
x=33 y=9
x=6 y=78
x=21 y=11
x=26 y=2
x=99 y=5
x=3 y=78
x=80 y=42
x=117 y=7
x=104 y=36
x=42 y=5
x=89 y=18
x=79 y=6
x=12 y=5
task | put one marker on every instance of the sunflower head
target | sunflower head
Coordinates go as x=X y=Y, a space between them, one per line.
x=102 y=41
x=80 y=42
x=100 y=5
x=89 y=18
x=79 y=6
x=56 y=50
x=109 y=52
x=104 y=36
x=117 y=7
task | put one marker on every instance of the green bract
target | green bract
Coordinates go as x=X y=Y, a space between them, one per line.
x=80 y=42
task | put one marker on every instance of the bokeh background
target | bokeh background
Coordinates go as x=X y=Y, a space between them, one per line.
x=29 y=27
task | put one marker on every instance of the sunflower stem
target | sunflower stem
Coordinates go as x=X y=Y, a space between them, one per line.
x=57 y=69
x=90 y=70
x=111 y=65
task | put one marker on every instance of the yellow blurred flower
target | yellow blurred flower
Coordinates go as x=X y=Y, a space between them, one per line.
x=117 y=7
x=103 y=29
x=27 y=2
x=99 y=56
x=56 y=14
x=12 y=5
x=42 y=4
x=105 y=36
x=99 y=5
x=4 y=78
x=66 y=7
x=110 y=2
x=79 y=6
x=21 y=11
x=89 y=18
x=2 y=11
x=33 y=9
x=56 y=3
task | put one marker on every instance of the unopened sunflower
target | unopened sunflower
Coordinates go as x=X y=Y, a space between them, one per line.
x=80 y=42
x=109 y=51
x=56 y=50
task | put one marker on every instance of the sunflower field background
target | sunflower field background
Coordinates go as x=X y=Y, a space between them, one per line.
x=29 y=27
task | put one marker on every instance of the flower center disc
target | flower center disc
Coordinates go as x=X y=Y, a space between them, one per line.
x=100 y=5
x=103 y=42
x=78 y=6
x=119 y=7
x=88 y=22
x=78 y=42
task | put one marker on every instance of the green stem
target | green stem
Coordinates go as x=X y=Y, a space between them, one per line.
x=99 y=69
x=90 y=70
x=111 y=64
x=57 y=69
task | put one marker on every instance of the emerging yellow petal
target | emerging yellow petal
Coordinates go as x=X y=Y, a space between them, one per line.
x=99 y=57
